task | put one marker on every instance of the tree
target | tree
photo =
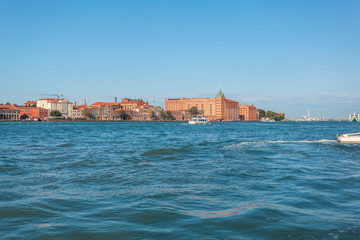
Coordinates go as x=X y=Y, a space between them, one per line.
x=271 y=114
x=89 y=115
x=169 y=115
x=8 y=103
x=194 y=111
x=163 y=115
x=153 y=115
x=261 y=113
x=55 y=113
x=123 y=115
x=278 y=117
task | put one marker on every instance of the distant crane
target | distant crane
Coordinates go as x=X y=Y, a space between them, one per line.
x=83 y=99
x=53 y=95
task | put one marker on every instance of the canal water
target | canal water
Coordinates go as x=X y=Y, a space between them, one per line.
x=171 y=180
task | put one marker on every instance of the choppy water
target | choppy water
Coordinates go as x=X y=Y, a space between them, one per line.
x=131 y=180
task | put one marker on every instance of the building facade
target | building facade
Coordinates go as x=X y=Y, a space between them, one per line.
x=30 y=104
x=9 y=113
x=218 y=108
x=247 y=112
x=104 y=110
x=77 y=113
x=64 y=106
x=32 y=113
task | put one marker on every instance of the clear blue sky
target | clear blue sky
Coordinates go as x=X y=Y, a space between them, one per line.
x=287 y=56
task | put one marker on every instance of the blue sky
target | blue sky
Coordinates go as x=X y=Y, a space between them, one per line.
x=287 y=56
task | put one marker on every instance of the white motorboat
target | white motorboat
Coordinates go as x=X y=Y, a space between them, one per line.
x=198 y=119
x=349 y=138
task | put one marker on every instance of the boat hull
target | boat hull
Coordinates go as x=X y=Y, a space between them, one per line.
x=348 y=139
x=200 y=123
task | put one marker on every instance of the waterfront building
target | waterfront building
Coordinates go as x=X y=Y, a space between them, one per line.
x=218 y=108
x=64 y=106
x=104 y=110
x=77 y=113
x=247 y=112
x=9 y=112
x=33 y=113
x=95 y=112
x=30 y=104
x=131 y=104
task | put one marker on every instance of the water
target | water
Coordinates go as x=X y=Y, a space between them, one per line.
x=132 y=180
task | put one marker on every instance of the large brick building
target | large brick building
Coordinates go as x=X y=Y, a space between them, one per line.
x=247 y=112
x=33 y=113
x=218 y=108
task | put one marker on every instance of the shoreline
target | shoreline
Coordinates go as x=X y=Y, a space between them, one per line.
x=49 y=121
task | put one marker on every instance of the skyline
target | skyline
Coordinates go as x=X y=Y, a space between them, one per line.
x=283 y=56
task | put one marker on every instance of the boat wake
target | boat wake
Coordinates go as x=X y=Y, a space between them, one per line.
x=279 y=141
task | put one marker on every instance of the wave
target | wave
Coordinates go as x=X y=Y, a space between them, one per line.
x=280 y=141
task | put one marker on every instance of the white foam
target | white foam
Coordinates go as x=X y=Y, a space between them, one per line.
x=279 y=141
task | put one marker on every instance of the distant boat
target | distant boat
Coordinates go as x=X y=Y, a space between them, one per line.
x=267 y=120
x=198 y=119
x=307 y=118
x=354 y=117
x=349 y=138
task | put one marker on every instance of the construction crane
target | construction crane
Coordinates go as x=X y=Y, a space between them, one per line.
x=83 y=99
x=53 y=95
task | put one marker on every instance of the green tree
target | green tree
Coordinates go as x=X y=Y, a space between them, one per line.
x=55 y=113
x=278 y=117
x=163 y=115
x=169 y=115
x=262 y=113
x=153 y=115
x=8 y=103
x=271 y=114
x=89 y=115
x=194 y=111
x=123 y=115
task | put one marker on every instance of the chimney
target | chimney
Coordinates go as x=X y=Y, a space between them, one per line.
x=115 y=99
x=75 y=103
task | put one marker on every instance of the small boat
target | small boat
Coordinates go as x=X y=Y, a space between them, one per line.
x=198 y=119
x=349 y=138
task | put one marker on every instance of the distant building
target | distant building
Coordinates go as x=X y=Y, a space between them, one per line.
x=32 y=113
x=218 y=108
x=131 y=104
x=104 y=110
x=64 y=106
x=9 y=112
x=77 y=113
x=247 y=112
x=30 y=104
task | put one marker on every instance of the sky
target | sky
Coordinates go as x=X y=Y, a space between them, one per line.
x=285 y=56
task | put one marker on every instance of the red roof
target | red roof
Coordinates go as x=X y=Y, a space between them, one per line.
x=24 y=108
x=30 y=103
x=51 y=99
x=229 y=100
x=105 y=103
x=95 y=106
x=8 y=107
x=83 y=106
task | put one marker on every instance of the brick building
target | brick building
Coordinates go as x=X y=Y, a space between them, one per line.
x=247 y=112
x=33 y=113
x=218 y=108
